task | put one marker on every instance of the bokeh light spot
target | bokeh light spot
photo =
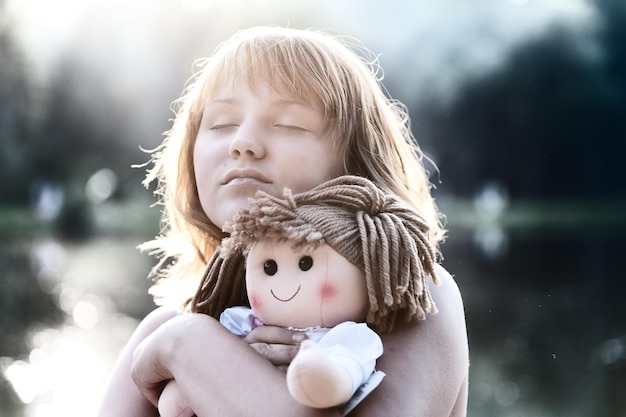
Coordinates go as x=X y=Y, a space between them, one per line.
x=101 y=185
x=85 y=315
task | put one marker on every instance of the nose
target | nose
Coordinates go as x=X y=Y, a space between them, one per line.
x=246 y=142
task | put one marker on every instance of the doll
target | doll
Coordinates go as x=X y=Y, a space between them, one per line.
x=340 y=262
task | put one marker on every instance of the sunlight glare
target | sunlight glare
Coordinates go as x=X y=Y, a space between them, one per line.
x=22 y=377
x=44 y=27
x=85 y=315
x=62 y=376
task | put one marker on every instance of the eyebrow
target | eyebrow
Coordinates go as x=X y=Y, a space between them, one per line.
x=283 y=102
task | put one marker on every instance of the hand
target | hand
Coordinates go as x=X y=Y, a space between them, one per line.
x=151 y=358
x=172 y=403
x=276 y=344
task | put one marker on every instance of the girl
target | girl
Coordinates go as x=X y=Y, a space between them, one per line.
x=276 y=108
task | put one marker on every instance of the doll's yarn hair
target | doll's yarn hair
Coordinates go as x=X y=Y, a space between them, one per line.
x=384 y=238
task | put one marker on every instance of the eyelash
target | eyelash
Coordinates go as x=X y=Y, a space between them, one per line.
x=288 y=128
x=221 y=127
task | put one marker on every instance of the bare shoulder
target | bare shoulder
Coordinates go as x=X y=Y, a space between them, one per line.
x=153 y=320
x=448 y=298
x=444 y=331
x=426 y=362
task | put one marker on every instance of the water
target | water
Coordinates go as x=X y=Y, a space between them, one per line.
x=67 y=310
x=544 y=307
x=546 y=325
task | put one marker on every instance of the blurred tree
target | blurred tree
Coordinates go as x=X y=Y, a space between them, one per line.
x=17 y=113
x=62 y=132
x=549 y=124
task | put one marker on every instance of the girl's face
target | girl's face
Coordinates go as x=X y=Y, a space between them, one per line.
x=259 y=139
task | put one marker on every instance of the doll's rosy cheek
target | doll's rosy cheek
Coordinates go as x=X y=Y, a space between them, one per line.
x=255 y=301
x=327 y=290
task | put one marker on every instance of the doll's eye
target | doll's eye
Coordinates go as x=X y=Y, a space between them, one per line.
x=305 y=263
x=270 y=267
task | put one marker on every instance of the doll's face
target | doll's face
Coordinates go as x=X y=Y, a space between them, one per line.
x=304 y=289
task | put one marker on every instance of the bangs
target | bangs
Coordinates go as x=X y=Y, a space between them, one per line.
x=294 y=65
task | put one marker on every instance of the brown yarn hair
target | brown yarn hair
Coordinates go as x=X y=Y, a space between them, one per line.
x=373 y=230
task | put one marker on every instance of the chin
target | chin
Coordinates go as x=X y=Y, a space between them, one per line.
x=229 y=210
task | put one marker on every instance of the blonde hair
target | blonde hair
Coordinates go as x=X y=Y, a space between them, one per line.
x=374 y=231
x=370 y=130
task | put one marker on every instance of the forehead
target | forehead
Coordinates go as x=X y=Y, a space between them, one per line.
x=282 y=247
x=276 y=95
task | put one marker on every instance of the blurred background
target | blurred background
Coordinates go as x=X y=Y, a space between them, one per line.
x=520 y=104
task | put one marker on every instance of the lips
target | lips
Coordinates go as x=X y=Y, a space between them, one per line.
x=244 y=176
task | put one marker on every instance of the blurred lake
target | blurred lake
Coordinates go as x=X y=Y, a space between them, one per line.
x=543 y=287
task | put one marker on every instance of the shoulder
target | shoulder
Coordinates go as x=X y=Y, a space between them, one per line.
x=155 y=319
x=447 y=328
x=428 y=357
x=444 y=329
x=447 y=296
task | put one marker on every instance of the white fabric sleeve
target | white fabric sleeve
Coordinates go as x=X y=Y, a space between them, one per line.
x=239 y=320
x=356 y=346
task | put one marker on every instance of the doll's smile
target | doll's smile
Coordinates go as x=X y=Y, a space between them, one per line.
x=284 y=300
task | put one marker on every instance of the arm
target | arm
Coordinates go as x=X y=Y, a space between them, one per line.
x=121 y=397
x=426 y=363
x=230 y=378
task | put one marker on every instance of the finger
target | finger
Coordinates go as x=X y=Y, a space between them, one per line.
x=276 y=354
x=147 y=372
x=274 y=335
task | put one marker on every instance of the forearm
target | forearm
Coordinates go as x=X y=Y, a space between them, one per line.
x=121 y=396
x=218 y=374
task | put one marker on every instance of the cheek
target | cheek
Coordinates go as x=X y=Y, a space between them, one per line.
x=255 y=301
x=327 y=290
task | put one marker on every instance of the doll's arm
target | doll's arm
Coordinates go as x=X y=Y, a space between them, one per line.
x=327 y=373
x=317 y=379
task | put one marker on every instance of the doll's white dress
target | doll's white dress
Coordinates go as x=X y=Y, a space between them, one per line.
x=354 y=344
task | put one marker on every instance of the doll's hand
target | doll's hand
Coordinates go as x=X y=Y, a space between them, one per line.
x=276 y=344
x=317 y=379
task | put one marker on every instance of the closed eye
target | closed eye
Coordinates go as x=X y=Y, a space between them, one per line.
x=223 y=127
x=291 y=128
